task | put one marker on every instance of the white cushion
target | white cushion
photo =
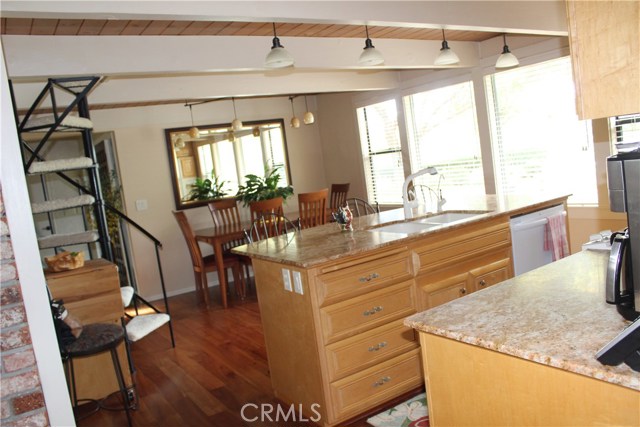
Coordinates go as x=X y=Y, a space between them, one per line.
x=140 y=326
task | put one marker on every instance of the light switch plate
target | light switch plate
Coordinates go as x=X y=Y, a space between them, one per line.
x=286 y=279
x=297 y=282
x=142 y=205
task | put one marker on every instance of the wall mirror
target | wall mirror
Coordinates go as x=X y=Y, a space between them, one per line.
x=217 y=152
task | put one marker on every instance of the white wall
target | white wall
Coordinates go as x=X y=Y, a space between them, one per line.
x=144 y=167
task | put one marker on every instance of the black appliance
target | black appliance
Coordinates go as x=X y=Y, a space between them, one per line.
x=623 y=271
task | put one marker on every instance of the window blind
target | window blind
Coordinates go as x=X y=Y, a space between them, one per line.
x=626 y=128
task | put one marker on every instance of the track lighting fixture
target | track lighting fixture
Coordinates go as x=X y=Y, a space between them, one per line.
x=446 y=56
x=370 y=55
x=278 y=57
x=194 y=132
x=308 y=117
x=506 y=58
x=295 y=122
x=236 y=124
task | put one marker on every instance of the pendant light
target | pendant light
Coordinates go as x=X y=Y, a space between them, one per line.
x=295 y=122
x=446 y=56
x=506 y=58
x=236 y=124
x=278 y=57
x=194 y=132
x=308 y=117
x=370 y=55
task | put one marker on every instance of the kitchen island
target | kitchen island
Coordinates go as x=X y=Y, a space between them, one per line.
x=333 y=302
x=523 y=352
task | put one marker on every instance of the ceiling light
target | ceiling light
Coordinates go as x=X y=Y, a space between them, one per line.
x=308 y=117
x=278 y=57
x=295 y=122
x=194 y=132
x=370 y=55
x=506 y=58
x=236 y=124
x=446 y=56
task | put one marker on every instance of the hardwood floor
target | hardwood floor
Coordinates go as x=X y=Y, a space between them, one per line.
x=219 y=364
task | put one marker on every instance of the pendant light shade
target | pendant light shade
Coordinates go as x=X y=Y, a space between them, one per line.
x=506 y=58
x=295 y=122
x=446 y=56
x=308 y=117
x=278 y=57
x=194 y=132
x=236 y=124
x=370 y=55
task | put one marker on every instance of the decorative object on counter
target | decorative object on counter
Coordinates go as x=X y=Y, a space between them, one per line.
x=278 y=57
x=65 y=261
x=506 y=58
x=344 y=218
x=411 y=413
x=308 y=117
x=258 y=188
x=370 y=55
x=446 y=56
x=295 y=122
x=236 y=124
x=205 y=188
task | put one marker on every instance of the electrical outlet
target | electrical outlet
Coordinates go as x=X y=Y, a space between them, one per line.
x=286 y=279
x=297 y=282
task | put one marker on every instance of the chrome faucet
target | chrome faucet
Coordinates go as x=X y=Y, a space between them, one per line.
x=406 y=193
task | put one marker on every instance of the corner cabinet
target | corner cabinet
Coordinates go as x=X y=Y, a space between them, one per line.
x=336 y=343
x=605 y=55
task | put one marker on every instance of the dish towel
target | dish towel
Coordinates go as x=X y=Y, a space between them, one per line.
x=555 y=237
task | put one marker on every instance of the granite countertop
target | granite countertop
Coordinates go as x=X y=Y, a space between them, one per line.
x=314 y=246
x=555 y=315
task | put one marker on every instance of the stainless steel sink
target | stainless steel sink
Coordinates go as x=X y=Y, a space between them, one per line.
x=427 y=223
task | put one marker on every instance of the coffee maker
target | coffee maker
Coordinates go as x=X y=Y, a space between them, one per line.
x=623 y=270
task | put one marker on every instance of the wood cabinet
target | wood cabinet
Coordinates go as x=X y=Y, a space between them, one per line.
x=605 y=55
x=92 y=294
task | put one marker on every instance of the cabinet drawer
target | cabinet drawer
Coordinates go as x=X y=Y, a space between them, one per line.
x=362 y=391
x=362 y=351
x=353 y=280
x=356 y=315
x=491 y=274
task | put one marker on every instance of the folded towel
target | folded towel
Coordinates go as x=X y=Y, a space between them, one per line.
x=555 y=237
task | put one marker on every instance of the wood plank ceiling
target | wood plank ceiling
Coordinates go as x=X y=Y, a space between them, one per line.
x=103 y=27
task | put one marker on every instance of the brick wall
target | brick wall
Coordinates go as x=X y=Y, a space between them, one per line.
x=21 y=393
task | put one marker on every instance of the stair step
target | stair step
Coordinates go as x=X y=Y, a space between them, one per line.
x=59 y=240
x=69 y=123
x=59 y=204
x=142 y=325
x=60 y=165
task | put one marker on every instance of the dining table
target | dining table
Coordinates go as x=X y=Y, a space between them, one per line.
x=217 y=236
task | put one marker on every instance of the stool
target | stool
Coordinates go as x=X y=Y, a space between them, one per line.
x=97 y=338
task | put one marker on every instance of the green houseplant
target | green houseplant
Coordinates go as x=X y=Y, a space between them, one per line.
x=258 y=188
x=205 y=188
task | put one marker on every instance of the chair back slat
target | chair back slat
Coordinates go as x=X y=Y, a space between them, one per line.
x=265 y=207
x=361 y=207
x=269 y=225
x=224 y=212
x=312 y=208
x=338 y=196
x=189 y=237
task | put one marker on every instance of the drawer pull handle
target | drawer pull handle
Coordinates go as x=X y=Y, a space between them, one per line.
x=382 y=381
x=369 y=277
x=378 y=346
x=463 y=291
x=482 y=283
x=374 y=310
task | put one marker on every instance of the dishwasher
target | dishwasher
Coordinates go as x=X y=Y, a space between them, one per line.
x=527 y=239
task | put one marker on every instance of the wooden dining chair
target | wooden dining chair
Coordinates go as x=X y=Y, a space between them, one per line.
x=263 y=207
x=359 y=207
x=338 y=196
x=312 y=208
x=203 y=265
x=225 y=213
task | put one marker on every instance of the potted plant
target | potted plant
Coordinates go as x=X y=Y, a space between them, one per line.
x=205 y=188
x=258 y=188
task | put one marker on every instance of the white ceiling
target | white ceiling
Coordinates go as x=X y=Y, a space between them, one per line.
x=161 y=68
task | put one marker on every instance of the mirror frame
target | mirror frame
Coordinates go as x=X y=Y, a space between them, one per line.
x=181 y=204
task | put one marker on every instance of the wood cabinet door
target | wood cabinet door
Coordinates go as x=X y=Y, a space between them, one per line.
x=490 y=274
x=437 y=289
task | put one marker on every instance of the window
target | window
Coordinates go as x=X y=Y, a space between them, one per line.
x=442 y=131
x=539 y=145
x=381 y=151
x=626 y=128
